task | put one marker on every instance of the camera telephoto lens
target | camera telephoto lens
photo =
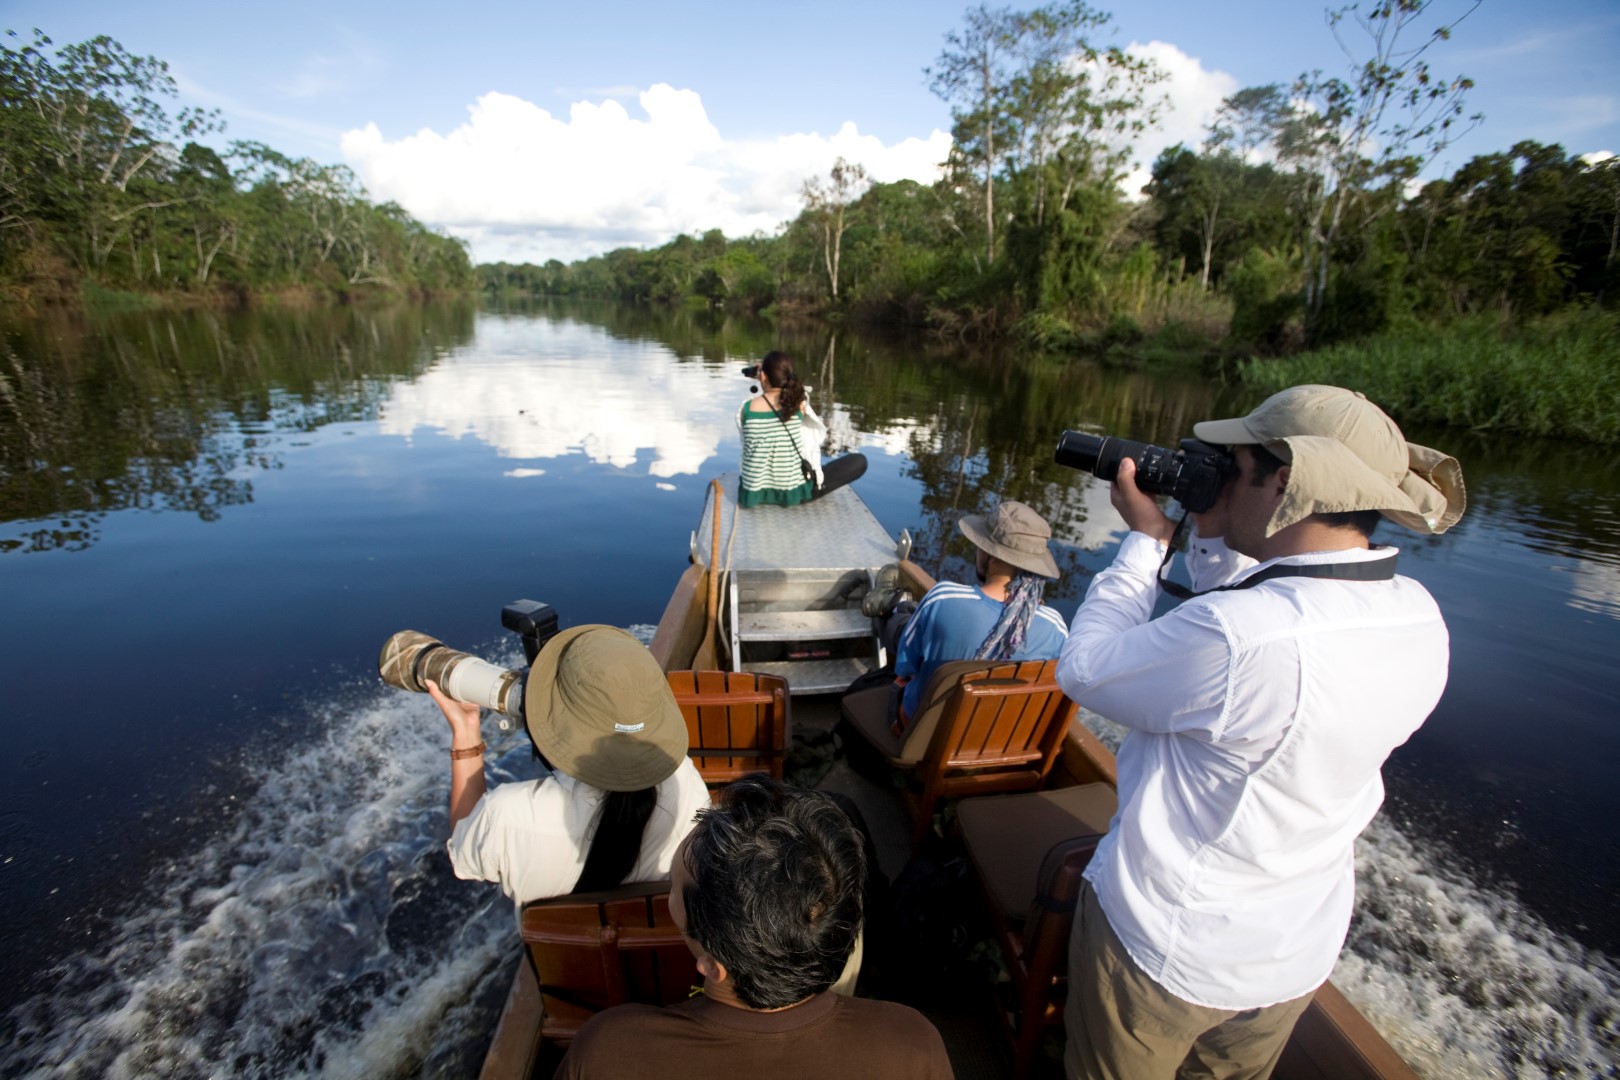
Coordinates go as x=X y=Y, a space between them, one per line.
x=1194 y=475
x=410 y=658
x=1100 y=455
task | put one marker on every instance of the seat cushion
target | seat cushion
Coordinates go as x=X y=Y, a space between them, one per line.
x=1007 y=836
x=868 y=713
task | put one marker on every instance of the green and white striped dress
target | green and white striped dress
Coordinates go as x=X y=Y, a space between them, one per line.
x=770 y=461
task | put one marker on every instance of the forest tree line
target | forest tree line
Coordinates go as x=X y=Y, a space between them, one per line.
x=100 y=182
x=1299 y=218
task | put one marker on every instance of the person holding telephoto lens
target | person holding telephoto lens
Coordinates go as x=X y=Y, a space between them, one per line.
x=621 y=793
x=1259 y=715
x=781 y=441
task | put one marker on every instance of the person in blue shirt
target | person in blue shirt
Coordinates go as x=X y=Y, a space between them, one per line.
x=1001 y=618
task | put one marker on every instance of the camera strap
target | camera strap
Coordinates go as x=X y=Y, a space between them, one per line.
x=1361 y=570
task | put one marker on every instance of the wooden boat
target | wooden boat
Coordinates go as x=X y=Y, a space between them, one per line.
x=780 y=589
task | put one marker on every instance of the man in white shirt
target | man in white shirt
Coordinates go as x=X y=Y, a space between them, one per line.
x=1259 y=716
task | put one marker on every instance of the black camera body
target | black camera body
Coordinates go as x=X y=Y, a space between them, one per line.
x=751 y=371
x=1193 y=475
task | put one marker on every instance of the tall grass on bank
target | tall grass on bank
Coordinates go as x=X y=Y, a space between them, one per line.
x=1559 y=376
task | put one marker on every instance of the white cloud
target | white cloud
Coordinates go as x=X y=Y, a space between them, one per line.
x=1193 y=93
x=521 y=183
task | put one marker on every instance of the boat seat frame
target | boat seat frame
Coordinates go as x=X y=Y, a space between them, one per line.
x=737 y=722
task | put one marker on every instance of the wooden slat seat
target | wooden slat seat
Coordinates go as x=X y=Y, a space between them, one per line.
x=738 y=722
x=983 y=727
x=591 y=951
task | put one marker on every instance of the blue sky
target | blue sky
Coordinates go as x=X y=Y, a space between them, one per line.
x=498 y=120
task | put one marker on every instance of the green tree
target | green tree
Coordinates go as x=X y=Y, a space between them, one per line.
x=86 y=137
x=828 y=202
x=1211 y=208
x=1038 y=106
x=970 y=75
x=207 y=209
x=1348 y=138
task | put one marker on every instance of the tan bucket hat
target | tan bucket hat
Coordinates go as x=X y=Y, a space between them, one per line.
x=1344 y=453
x=1015 y=534
x=599 y=708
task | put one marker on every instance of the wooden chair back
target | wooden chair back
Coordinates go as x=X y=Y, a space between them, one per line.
x=737 y=722
x=1001 y=730
x=591 y=951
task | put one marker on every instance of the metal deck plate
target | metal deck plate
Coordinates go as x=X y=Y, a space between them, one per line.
x=834 y=532
x=813 y=676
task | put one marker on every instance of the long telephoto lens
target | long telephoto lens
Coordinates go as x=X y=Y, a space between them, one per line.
x=1077 y=450
x=410 y=658
x=1158 y=469
x=1100 y=455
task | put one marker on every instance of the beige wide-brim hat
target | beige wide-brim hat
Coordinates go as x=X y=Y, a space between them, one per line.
x=1015 y=534
x=599 y=708
x=1344 y=453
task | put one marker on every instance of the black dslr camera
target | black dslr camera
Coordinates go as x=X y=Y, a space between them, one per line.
x=1193 y=475
x=410 y=658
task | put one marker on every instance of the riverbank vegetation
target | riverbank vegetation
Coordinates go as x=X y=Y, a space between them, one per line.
x=1554 y=376
x=104 y=194
x=1299 y=222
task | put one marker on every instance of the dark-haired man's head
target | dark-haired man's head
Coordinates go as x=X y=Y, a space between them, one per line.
x=767 y=888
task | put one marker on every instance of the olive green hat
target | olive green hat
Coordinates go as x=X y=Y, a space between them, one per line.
x=599 y=708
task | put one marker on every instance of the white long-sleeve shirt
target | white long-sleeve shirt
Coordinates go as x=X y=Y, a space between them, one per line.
x=1259 y=720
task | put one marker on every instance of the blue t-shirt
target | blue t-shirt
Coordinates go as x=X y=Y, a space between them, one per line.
x=951 y=623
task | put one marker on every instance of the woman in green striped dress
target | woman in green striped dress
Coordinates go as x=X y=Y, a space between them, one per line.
x=777 y=427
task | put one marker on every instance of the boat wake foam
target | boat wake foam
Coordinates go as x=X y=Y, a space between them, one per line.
x=320 y=933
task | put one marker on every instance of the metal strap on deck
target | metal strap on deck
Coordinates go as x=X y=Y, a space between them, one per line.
x=804 y=625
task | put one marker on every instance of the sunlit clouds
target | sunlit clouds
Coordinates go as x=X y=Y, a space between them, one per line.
x=524 y=184
x=1191 y=93
x=521 y=183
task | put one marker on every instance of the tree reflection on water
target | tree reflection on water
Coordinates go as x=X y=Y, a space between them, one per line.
x=175 y=411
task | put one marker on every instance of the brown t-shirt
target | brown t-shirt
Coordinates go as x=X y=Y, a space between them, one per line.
x=829 y=1035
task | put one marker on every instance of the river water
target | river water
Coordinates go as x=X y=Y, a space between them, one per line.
x=221 y=839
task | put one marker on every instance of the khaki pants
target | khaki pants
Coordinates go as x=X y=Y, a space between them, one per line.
x=1124 y=1026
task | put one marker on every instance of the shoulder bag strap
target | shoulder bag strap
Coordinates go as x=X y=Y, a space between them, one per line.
x=791 y=437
